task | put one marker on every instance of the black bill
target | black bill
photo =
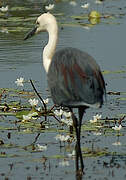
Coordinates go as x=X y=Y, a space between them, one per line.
x=31 y=33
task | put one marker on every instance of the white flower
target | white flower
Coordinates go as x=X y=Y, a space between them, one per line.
x=85 y=6
x=26 y=118
x=46 y=101
x=20 y=81
x=29 y=116
x=27 y=130
x=33 y=102
x=62 y=138
x=86 y=27
x=64 y=163
x=96 y=118
x=98 y=2
x=4 y=9
x=4 y=30
x=47 y=127
x=41 y=148
x=69 y=121
x=67 y=114
x=49 y=7
x=72 y=154
x=39 y=109
x=58 y=113
x=73 y=3
x=67 y=138
x=117 y=143
x=117 y=128
x=97 y=133
x=93 y=121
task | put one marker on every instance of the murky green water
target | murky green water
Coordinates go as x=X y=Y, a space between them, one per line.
x=106 y=42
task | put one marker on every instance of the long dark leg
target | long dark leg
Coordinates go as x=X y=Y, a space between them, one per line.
x=75 y=123
x=77 y=158
x=78 y=131
x=81 y=111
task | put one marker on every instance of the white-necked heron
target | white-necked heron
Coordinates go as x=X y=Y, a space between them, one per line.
x=74 y=78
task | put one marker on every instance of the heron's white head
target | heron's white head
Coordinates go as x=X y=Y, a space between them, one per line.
x=45 y=22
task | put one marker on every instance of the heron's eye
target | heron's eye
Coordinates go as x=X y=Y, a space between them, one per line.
x=37 y=23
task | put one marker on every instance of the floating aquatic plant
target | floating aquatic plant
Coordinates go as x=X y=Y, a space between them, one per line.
x=49 y=7
x=94 y=17
x=96 y=118
x=117 y=128
x=33 y=102
x=85 y=6
x=19 y=81
x=4 y=9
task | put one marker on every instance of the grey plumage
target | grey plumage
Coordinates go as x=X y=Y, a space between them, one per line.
x=75 y=79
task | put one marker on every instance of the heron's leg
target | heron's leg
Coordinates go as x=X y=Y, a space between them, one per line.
x=75 y=123
x=81 y=111
x=77 y=157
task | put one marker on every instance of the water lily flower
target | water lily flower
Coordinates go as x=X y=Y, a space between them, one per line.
x=85 y=6
x=117 y=143
x=41 y=148
x=64 y=163
x=27 y=130
x=67 y=114
x=69 y=121
x=26 y=118
x=39 y=109
x=58 y=113
x=72 y=154
x=73 y=3
x=98 y=2
x=20 y=81
x=117 y=128
x=29 y=116
x=86 y=27
x=33 y=102
x=97 y=133
x=96 y=118
x=47 y=127
x=4 y=9
x=62 y=138
x=4 y=30
x=46 y=101
x=49 y=7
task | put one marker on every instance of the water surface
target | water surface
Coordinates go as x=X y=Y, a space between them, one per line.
x=105 y=41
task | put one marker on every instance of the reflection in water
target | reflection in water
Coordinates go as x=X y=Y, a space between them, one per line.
x=79 y=171
x=79 y=158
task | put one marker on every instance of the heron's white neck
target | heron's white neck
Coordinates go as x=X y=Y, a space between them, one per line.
x=49 y=49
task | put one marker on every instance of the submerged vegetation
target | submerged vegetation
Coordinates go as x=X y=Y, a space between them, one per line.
x=33 y=116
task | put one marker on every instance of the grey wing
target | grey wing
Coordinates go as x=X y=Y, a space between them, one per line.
x=75 y=79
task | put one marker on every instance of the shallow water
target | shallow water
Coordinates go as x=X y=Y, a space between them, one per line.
x=105 y=41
